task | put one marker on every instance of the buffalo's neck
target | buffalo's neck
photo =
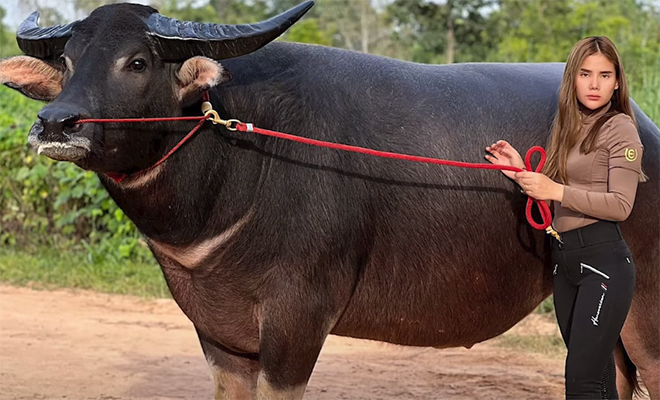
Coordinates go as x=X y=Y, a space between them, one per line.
x=205 y=187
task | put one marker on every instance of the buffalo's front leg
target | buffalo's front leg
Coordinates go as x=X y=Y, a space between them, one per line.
x=292 y=333
x=235 y=375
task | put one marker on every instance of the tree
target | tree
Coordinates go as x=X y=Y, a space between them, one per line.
x=47 y=15
x=539 y=31
x=8 y=46
x=85 y=7
x=352 y=24
x=187 y=11
x=308 y=31
x=240 y=12
x=441 y=32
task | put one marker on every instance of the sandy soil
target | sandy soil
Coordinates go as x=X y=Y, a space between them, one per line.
x=81 y=345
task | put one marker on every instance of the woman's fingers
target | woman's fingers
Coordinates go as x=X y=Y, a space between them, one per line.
x=496 y=158
x=525 y=175
x=503 y=154
x=498 y=146
x=492 y=159
x=528 y=180
x=502 y=144
x=505 y=148
x=509 y=151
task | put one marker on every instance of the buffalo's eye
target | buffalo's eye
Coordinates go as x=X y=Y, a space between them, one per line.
x=62 y=61
x=138 y=65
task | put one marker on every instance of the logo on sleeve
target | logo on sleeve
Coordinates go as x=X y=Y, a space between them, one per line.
x=631 y=154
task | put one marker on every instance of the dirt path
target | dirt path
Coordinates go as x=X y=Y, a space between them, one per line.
x=66 y=345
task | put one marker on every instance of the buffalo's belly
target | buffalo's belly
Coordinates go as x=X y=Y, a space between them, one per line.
x=443 y=305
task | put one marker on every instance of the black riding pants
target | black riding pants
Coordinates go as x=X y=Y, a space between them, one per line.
x=594 y=278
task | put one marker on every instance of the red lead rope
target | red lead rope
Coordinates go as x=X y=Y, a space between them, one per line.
x=118 y=177
x=546 y=216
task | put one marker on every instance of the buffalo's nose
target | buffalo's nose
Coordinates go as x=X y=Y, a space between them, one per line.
x=58 y=121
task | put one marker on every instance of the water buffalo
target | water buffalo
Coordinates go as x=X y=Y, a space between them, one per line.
x=267 y=245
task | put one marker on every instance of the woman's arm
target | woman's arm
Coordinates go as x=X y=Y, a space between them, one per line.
x=625 y=160
x=614 y=205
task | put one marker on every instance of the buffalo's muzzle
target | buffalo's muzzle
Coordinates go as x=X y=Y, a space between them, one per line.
x=56 y=134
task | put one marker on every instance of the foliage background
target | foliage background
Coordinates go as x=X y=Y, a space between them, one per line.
x=57 y=206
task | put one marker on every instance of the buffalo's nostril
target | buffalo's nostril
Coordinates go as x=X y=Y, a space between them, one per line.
x=56 y=120
x=71 y=127
x=37 y=129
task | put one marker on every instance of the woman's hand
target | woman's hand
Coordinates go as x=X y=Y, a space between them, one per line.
x=502 y=153
x=539 y=186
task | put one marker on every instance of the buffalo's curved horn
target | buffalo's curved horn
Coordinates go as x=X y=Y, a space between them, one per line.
x=179 y=40
x=40 y=42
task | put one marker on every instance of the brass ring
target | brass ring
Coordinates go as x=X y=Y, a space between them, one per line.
x=231 y=124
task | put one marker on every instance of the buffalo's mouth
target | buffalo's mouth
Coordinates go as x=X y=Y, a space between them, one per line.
x=62 y=146
x=62 y=151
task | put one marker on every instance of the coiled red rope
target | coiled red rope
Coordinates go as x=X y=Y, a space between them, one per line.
x=544 y=210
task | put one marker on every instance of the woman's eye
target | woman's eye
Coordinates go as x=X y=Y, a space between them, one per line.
x=137 y=65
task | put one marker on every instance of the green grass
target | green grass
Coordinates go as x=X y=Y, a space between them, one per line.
x=51 y=269
x=529 y=339
x=649 y=102
x=548 y=345
x=547 y=306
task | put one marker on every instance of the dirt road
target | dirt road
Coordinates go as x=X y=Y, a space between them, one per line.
x=68 y=345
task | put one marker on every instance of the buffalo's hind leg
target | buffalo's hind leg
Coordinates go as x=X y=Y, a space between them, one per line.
x=624 y=373
x=641 y=339
x=235 y=375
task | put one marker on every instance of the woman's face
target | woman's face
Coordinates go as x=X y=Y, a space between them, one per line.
x=596 y=81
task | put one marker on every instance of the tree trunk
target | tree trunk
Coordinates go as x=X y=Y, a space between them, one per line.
x=449 y=51
x=364 y=25
x=220 y=6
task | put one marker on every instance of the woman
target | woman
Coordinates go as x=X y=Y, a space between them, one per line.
x=591 y=176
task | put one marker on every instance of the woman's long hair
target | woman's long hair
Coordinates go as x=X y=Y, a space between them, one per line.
x=567 y=125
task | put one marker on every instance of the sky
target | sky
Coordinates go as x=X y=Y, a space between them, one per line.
x=18 y=10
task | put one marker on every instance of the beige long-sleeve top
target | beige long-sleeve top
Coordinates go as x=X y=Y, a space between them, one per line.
x=602 y=184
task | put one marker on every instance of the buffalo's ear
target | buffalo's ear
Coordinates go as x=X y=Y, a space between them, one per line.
x=197 y=75
x=31 y=76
